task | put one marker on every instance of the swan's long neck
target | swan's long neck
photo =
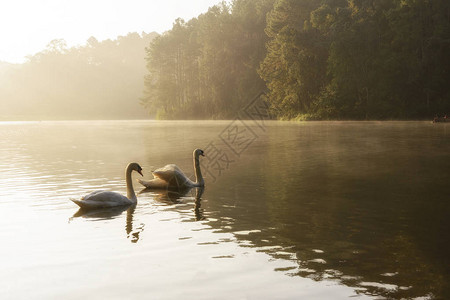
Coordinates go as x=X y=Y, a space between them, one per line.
x=198 y=173
x=130 y=190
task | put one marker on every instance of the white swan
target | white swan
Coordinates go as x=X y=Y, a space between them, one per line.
x=103 y=199
x=171 y=177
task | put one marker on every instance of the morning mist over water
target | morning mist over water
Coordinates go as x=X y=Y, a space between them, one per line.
x=211 y=160
x=317 y=210
x=315 y=61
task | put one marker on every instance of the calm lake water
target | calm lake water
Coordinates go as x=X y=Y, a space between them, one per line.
x=316 y=210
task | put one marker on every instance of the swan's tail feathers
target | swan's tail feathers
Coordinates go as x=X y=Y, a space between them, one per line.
x=77 y=202
x=144 y=183
x=154 y=183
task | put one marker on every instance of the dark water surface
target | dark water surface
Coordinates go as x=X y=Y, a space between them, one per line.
x=317 y=210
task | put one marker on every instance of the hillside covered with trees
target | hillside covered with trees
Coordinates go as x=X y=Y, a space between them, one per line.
x=329 y=59
x=100 y=80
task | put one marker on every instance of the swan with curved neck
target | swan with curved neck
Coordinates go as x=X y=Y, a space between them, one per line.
x=171 y=177
x=103 y=199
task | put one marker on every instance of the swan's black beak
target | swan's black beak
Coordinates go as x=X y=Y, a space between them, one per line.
x=202 y=154
x=140 y=172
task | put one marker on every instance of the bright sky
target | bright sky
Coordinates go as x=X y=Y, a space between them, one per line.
x=27 y=26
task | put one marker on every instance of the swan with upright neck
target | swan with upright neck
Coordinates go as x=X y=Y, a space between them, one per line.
x=171 y=177
x=104 y=199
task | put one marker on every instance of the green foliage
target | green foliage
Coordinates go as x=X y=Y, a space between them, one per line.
x=317 y=59
x=326 y=59
x=295 y=65
x=207 y=67
x=358 y=59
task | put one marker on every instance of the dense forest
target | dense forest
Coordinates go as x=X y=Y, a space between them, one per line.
x=314 y=59
x=99 y=80
x=329 y=59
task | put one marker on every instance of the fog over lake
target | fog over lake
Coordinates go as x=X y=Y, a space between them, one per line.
x=290 y=210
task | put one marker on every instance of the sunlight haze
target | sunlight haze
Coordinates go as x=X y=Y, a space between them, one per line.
x=27 y=26
x=225 y=149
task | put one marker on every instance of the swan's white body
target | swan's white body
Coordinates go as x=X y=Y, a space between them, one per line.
x=171 y=176
x=104 y=199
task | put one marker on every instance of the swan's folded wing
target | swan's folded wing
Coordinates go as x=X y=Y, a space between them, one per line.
x=102 y=199
x=167 y=172
x=103 y=196
x=171 y=174
x=106 y=198
x=93 y=194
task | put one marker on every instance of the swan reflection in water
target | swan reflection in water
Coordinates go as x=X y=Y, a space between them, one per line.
x=175 y=196
x=133 y=231
x=197 y=204
x=111 y=213
x=169 y=196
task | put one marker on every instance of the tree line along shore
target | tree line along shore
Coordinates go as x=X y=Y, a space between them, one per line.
x=314 y=60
